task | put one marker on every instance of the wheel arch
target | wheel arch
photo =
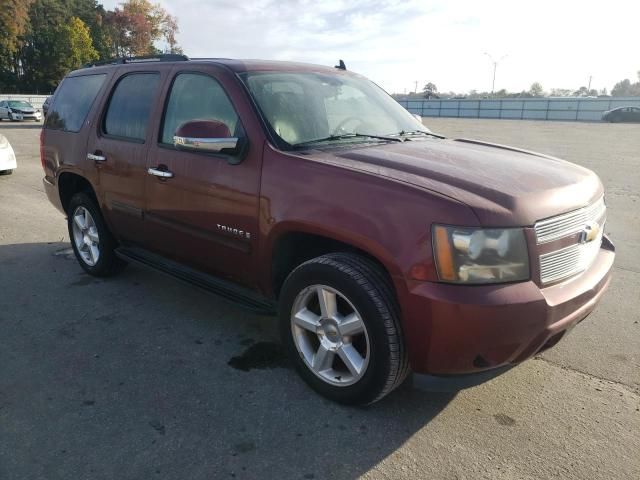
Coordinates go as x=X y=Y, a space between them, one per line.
x=70 y=183
x=293 y=245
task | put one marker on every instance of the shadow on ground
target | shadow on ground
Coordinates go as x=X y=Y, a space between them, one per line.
x=128 y=377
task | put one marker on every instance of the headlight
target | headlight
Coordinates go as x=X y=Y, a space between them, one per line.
x=479 y=255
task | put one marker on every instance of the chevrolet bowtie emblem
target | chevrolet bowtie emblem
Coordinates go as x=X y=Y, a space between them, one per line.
x=589 y=232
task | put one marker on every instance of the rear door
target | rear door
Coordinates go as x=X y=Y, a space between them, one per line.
x=118 y=148
x=206 y=214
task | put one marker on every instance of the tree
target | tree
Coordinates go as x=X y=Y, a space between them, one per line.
x=76 y=44
x=41 y=40
x=14 y=19
x=560 y=92
x=134 y=28
x=623 y=89
x=536 y=90
x=14 y=22
x=430 y=87
x=41 y=57
x=169 y=31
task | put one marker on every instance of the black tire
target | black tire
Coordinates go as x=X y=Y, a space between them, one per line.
x=108 y=263
x=368 y=288
x=6 y=172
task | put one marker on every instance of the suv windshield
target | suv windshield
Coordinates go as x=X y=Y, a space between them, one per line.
x=19 y=104
x=309 y=108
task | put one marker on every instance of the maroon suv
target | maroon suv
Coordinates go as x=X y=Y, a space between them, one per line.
x=307 y=190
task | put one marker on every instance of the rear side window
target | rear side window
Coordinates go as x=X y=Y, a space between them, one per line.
x=196 y=96
x=130 y=106
x=73 y=102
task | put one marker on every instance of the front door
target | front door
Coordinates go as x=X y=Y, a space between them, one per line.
x=205 y=213
x=118 y=148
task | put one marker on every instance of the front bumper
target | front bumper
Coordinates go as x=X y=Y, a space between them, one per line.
x=27 y=116
x=454 y=329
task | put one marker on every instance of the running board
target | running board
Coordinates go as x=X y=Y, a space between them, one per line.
x=229 y=291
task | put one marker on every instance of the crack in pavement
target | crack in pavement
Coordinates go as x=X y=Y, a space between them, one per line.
x=635 y=391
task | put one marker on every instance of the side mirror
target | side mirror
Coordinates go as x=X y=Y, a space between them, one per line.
x=210 y=136
x=417 y=117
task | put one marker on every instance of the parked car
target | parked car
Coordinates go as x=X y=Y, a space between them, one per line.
x=45 y=106
x=7 y=157
x=16 y=110
x=622 y=114
x=308 y=191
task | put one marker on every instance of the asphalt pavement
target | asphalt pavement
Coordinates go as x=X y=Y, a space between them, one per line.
x=142 y=377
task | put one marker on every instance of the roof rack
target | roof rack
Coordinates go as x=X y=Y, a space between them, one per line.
x=164 y=57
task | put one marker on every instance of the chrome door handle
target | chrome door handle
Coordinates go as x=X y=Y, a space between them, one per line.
x=160 y=173
x=96 y=158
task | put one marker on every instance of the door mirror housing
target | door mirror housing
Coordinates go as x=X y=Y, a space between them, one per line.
x=210 y=136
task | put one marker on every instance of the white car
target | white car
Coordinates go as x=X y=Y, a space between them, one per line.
x=7 y=157
x=19 y=110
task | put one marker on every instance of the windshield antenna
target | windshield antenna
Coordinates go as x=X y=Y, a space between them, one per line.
x=341 y=65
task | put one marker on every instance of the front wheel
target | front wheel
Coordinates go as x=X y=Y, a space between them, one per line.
x=92 y=242
x=6 y=172
x=340 y=325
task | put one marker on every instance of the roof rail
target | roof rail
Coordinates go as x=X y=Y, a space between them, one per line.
x=164 y=57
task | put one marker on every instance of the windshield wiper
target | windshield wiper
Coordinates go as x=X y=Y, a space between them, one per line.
x=405 y=133
x=331 y=138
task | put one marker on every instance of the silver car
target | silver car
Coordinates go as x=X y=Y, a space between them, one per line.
x=15 y=110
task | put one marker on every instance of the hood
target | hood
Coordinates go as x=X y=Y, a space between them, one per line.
x=504 y=186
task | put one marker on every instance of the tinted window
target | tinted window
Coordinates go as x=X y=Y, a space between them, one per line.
x=130 y=106
x=73 y=102
x=197 y=97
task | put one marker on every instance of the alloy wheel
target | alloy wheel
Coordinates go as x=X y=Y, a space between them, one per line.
x=330 y=335
x=85 y=236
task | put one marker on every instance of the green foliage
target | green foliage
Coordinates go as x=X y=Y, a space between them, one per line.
x=76 y=44
x=42 y=40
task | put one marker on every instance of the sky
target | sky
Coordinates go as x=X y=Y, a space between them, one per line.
x=559 y=43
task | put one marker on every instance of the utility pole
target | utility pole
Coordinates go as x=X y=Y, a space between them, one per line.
x=589 y=87
x=415 y=90
x=495 y=67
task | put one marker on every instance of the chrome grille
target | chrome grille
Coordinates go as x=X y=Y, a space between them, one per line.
x=569 y=223
x=575 y=258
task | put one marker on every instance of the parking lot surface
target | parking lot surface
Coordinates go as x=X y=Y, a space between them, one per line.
x=129 y=377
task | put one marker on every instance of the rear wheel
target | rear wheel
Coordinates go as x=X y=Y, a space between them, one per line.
x=92 y=243
x=6 y=172
x=340 y=325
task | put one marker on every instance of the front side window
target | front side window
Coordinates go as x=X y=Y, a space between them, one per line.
x=197 y=96
x=302 y=107
x=130 y=106
x=73 y=101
